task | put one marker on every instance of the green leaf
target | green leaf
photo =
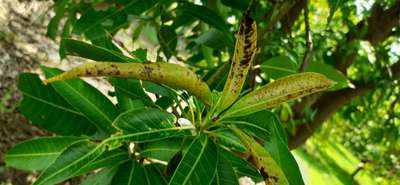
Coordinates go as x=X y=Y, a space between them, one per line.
x=46 y=108
x=52 y=27
x=66 y=33
x=144 y=119
x=206 y=15
x=93 y=52
x=107 y=159
x=215 y=39
x=241 y=166
x=198 y=164
x=237 y=4
x=38 y=153
x=162 y=150
x=225 y=174
x=128 y=92
x=70 y=162
x=87 y=99
x=133 y=173
x=277 y=92
x=102 y=177
x=330 y=72
x=229 y=140
x=279 y=66
x=276 y=144
x=168 y=40
x=333 y=6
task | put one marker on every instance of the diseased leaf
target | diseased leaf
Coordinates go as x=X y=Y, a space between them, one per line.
x=264 y=162
x=245 y=50
x=38 y=153
x=44 y=107
x=330 y=72
x=198 y=164
x=279 y=91
x=87 y=99
x=169 y=74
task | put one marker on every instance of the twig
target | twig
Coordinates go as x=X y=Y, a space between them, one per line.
x=309 y=42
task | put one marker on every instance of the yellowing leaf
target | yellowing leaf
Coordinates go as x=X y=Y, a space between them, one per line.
x=245 y=50
x=169 y=74
x=279 y=91
x=263 y=161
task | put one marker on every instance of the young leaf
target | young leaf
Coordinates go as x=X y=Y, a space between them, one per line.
x=38 y=153
x=46 y=108
x=144 y=119
x=270 y=170
x=245 y=50
x=70 y=162
x=279 y=91
x=87 y=99
x=198 y=164
x=169 y=74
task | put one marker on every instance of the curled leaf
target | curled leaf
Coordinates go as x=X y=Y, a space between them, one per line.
x=245 y=50
x=279 y=91
x=169 y=74
x=263 y=161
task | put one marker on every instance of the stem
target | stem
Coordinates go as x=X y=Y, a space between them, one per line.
x=309 y=44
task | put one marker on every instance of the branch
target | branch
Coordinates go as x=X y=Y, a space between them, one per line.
x=309 y=43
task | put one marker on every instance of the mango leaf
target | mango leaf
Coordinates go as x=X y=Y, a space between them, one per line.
x=69 y=162
x=128 y=92
x=107 y=159
x=66 y=33
x=52 y=27
x=271 y=171
x=168 y=40
x=279 y=91
x=169 y=74
x=133 y=173
x=98 y=23
x=229 y=140
x=102 y=177
x=198 y=164
x=87 y=99
x=215 y=39
x=279 y=66
x=330 y=72
x=144 y=119
x=225 y=174
x=206 y=15
x=237 y=4
x=241 y=166
x=276 y=144
x=46 y=108
x=37 y=153
x=245 y=50
x=93 y=52
x=162 y=150
x=334 y=5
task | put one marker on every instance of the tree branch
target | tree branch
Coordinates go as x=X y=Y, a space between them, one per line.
x=309 y=43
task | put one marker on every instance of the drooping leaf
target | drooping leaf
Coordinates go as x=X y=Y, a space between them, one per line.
x=276 y=144
x=69 y=162
x=206 y=15
x=102 y=177
x=279 y=91
x=198 y=164
x=87 y=99
x=245 y=50
x=46 y=108
x=144 y=119
x=169 y=74
x=330 y=72
x=264 y=162
x=279 y=66
x=38 y=153
x=93 y=52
